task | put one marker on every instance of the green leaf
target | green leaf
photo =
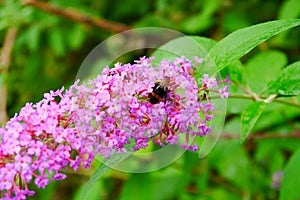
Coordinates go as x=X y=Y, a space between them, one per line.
x=240 y=42
x=204 y=42
x=231 y=160
x=144 y=186
x=222 y=193
x=33 y=37
x=263 y=68
x=46 y=193
x=291 y=179
x=249 y=117
x=154 y=20
x=93 y=193
x=196 y=23
x=235 y=19
x=137 y=187
x=288 y=82
x=203 y=20
x=236 y=71
x=289 y=9
x=56 y=40
x=187 y=46
x=164 y=177
x=102 y=169
x=77 y=36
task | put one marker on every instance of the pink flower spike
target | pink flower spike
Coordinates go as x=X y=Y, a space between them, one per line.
x=68 y=128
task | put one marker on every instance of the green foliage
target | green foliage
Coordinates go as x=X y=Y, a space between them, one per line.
x=202 y=20
x=249 y=117
x=288 y=81
x=289 y=9
x=189 y=47
x=291 y=179
x=12 y=13
x=263 y=68
x=101 y=170
x=244 y=40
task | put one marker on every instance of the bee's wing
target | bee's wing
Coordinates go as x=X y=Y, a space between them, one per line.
x=167 y=80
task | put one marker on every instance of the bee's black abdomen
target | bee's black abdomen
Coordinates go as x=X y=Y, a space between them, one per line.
x=157 y=94
x=153 y=99
x=159 y=91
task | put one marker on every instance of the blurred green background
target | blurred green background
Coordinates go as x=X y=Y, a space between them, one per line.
x=48 y=50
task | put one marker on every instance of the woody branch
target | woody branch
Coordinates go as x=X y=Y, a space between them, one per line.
x=78 y=16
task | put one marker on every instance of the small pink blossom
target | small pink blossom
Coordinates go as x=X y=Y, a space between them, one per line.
x=224 y=92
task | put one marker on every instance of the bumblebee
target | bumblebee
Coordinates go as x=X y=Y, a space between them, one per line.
x=160 y=91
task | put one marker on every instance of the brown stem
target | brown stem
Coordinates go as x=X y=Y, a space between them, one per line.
x=5 y=60
x=6 y=50
x=76 y=15
x=245 y=96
